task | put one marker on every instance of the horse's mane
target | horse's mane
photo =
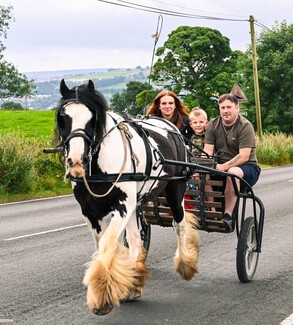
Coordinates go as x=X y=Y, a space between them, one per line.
x=91 y=98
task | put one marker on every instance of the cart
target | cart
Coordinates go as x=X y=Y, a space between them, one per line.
x=209 y=213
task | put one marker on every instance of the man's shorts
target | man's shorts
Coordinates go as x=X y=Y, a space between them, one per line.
x=251 y=173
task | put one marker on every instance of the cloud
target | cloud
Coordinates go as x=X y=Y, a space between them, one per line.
x=68 y=34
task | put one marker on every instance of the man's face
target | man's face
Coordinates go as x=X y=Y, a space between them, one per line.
x=228 y=111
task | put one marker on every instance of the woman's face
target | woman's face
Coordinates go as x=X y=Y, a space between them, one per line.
x=167 y=107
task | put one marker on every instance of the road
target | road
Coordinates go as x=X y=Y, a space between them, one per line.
x=45 y=245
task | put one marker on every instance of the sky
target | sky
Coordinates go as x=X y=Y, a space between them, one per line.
x=52 y=35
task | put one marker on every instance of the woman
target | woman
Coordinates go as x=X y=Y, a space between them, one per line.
x=167 y=105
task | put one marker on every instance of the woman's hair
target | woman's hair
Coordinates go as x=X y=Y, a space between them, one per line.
x=180 y=109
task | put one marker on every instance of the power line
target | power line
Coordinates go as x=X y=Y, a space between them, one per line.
x=132 y=5
x=262 y=25
x=192 y=9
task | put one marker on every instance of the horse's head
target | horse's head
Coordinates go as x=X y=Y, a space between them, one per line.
x=80 y=118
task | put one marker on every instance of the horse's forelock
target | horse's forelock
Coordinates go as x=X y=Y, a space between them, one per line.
x=91 y=98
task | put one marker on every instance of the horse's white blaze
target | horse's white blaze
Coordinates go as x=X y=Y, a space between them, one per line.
x=79 y=121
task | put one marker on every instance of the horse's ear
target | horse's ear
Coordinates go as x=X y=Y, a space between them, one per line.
x=64 y=90
x=91 y=85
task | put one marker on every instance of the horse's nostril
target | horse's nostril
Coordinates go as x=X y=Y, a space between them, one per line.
x=69 y=162
x=85 y=161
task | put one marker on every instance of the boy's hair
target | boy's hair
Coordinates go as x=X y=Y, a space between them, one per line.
x=197 y=111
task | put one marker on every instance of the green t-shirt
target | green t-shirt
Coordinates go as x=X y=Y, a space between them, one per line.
x=229 y=140
x=198 y=142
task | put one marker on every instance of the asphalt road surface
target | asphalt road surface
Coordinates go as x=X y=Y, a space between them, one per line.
x=45 y=245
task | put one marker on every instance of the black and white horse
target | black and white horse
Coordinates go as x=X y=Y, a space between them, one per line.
x=114 y=162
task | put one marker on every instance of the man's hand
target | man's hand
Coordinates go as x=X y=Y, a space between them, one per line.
x=222 y=167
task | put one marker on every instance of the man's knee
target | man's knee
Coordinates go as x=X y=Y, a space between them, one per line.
x=236 y=171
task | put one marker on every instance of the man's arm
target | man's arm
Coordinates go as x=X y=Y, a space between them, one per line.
x=209 y=149
x=238 y=160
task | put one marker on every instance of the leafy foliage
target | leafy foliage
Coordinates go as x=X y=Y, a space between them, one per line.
x=5 y=18
x=16 y=167
x=275 y=74
x=12 y=83
x=25 y=171
x=197 y=63
x=126 y=101
x=275 y=149
x=11 y=106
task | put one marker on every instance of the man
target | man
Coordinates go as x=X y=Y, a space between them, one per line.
x=234 y=136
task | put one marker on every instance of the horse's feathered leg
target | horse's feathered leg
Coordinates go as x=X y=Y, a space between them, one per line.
x=94 y=232
x=186 y=256
x=112 y=271
x=136 y=250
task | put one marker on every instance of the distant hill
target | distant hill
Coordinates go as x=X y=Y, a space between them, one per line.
x=107 y=81
x=41 y=75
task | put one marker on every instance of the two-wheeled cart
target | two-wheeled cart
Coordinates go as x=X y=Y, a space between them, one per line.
x=208 y=207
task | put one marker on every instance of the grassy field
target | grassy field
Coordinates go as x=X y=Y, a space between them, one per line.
x=111 y=73
x=30 y=124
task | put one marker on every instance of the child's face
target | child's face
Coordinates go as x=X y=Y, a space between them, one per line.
x=198 y=124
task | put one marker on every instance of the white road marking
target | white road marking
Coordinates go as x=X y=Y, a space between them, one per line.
x=45 y=232
x=288 y=320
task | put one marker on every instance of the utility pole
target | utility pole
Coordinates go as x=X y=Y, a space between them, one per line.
x=255 y=78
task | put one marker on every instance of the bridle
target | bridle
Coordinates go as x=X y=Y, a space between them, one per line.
x=94 y=146
x=81 y=133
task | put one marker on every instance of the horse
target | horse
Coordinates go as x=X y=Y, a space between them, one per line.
x=114 y=162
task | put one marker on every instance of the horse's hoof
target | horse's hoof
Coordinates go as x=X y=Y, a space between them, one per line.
x=104 y=310
x=133 y=295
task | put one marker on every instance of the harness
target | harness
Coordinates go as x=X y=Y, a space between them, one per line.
x=94 y=146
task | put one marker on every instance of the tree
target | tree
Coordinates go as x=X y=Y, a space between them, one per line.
x=197 y=63
x=275 y=73
x=12 y=83
x=126 y=101
x=5 y=18
x=11 y=106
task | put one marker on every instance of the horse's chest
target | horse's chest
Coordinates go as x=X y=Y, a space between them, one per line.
x=99 y=207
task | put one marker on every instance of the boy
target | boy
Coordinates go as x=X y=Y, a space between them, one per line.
x=198 y=121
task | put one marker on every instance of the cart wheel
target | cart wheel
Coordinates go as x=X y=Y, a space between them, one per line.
x=247 y=257
x=145 y=232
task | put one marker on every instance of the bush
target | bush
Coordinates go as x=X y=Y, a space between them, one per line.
x=50 y=172
x=26 y=170
x=275 y=149
x=11 y=106
x=16 y=168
